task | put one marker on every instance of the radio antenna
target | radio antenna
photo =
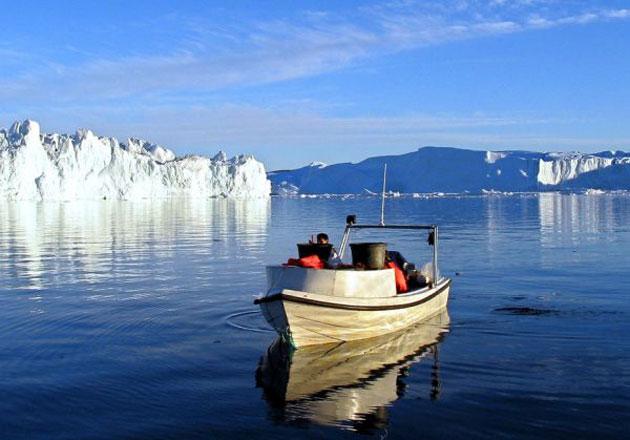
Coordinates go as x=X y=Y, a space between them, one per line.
x=383 y=195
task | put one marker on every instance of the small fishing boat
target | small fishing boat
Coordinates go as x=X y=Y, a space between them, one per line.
x=309 y=306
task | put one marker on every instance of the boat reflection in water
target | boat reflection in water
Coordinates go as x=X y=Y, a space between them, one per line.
x=349 y=385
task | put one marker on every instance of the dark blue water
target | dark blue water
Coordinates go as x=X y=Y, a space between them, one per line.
x=135 y=320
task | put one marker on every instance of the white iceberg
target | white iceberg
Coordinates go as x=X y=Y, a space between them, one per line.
x=36 y=166
x=455 y=170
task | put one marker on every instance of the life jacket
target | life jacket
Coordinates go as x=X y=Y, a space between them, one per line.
x=311 y=262
x=401 y=281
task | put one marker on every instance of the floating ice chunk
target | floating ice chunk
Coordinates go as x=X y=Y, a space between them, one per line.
x=594 y=192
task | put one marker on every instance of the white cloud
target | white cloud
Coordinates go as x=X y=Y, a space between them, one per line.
x=281 y=50
x=617 y=13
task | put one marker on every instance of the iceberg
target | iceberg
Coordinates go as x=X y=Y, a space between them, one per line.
x=456 y=170
x=39 y=166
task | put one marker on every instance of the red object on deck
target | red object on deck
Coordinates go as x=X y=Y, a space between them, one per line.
x=401 y=281
x=311 y=262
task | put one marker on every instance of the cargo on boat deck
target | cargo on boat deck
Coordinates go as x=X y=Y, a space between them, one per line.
x=369 y=255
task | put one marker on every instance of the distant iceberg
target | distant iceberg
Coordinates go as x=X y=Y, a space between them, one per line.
x=454 y=170
x=36 y=166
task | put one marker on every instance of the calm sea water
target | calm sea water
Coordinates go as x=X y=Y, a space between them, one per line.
x=135 y=320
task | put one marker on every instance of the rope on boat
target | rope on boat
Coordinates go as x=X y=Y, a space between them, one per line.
x=230 y=321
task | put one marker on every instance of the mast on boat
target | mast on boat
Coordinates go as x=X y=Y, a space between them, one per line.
x=383 y=195
x=433 y=230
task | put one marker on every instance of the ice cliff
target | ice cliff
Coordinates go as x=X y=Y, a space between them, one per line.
x=433 y=169
x=38 y=166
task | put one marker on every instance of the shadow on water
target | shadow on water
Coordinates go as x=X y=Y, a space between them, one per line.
x=528 y=311
x=350 y=385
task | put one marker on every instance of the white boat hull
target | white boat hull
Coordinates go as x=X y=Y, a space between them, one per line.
x=305 y=318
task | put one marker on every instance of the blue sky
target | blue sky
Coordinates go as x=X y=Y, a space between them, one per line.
x=295 y=81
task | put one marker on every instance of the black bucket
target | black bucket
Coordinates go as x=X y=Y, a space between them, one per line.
x=370 y=255
x=321 y=250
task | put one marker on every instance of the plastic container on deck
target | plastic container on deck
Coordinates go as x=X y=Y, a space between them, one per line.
x=370 y=255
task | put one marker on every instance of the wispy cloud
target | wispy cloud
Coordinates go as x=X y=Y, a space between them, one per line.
x=214 y=57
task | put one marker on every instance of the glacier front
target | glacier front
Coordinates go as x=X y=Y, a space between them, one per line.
x=37 y=166
x=441 y=169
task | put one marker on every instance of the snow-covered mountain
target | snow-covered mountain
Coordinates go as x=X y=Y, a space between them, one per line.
x=36 y=166
x=433 y=169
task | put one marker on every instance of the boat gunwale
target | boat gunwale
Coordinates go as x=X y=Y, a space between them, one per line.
x=283 y=295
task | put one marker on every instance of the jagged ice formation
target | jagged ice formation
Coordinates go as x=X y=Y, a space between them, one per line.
x=36 y=166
